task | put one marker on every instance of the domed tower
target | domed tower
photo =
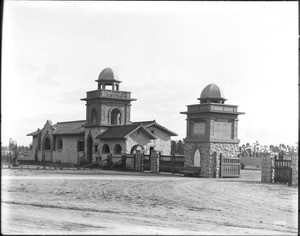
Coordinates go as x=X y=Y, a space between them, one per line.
x=105 y=107
x=211 y=130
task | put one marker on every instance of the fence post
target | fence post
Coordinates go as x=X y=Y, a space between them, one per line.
x=77 y=161
x=172 y=162
x=134 y=161
x=220 y=165
x=9 y=157
x=290 y=176
x=142 y=162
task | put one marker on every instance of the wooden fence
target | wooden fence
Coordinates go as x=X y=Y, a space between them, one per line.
x=283 y=171
x=171 y=164
x=229 y=167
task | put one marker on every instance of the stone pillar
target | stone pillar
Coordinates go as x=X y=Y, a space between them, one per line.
x=153 y=161
x=295 y=170
x=138 y=161
x=267 y=169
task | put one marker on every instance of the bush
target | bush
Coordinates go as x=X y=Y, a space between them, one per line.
x=242 y=166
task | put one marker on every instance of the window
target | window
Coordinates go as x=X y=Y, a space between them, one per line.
x=59 y=144
x=105 y=149
x=47 y=145
x=115 y=117
x=118 y=149
x=80 y=146
x=96 y=148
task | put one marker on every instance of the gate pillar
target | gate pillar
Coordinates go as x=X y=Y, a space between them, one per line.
x=154 y=161
x=138 y=161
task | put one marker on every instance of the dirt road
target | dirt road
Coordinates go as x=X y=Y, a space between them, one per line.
x=107 y=202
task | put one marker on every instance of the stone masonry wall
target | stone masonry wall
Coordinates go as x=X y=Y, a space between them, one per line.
x=210 y=156
x=163 y=141
x=295 y=170
x=266 y=169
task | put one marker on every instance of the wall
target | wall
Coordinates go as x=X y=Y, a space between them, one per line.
x=163 y=141
x=138 y=138
x=266 y=169
x=112 y=144
x=209 y=155
x=295 y=170
x=68 y=153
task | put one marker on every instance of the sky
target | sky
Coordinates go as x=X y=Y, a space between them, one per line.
x=164 y=53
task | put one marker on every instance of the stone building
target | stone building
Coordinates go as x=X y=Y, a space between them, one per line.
x=211 y=131
x=106 y=130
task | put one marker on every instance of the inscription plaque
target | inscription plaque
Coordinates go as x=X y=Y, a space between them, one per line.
x=223 y=129
x=199 y=128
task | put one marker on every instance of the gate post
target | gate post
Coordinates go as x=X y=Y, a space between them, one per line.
x=138 y=161
x=153 y=161
x=172 y=162
x=290 y=176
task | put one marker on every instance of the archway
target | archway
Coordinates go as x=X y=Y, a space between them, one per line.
x=89 y=151
x=105 y=149
x=135 y=148
x=115 y=117
x=197 y=158
x=117 y=149
x=47 y=144
x=47 y=149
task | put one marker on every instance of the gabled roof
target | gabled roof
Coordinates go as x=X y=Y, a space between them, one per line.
x=145 y=123
x=35 y=133
x=148 y=124
x=65 y=128
x=69 y=127
x=123 y=131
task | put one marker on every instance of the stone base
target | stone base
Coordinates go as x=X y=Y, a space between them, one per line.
x=210 y=156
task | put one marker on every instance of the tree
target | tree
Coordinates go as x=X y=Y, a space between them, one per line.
x=173 y=147
x=180 y=147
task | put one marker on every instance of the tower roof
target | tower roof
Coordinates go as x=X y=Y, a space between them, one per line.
x=107 y=75
x=212 y=92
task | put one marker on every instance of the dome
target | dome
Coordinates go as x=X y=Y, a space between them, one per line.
x=212 y=92
x=107 y=74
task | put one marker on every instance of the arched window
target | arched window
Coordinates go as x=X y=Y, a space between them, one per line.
x=105 y=149
x=94 y=117
x=118 y=149
x=197 y=158
x=47 y=145
x=115 y=117
x=136 y=148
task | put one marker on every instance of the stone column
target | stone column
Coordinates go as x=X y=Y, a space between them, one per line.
x=153 y=161
x=138 y=161
x=295 y=170
x=267 y=169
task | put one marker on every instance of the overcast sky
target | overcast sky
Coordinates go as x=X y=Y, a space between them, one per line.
x=165 y=53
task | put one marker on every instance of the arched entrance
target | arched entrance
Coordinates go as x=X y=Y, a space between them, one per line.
x=89 y=147
x=115 y=117
x=197 y=158
x=47 y=150
x=135 y=148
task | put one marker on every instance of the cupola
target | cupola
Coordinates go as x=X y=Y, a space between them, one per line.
x=212 y=94
x=108 y=78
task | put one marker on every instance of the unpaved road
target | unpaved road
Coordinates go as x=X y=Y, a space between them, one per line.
x=107 y=202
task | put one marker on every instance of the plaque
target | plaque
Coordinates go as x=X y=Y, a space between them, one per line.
x=199 y=128
x=223 y=129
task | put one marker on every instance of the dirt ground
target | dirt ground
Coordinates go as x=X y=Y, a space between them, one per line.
x=108 y=202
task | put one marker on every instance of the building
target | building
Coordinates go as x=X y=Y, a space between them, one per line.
x=106 y=130
x=212 y=131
